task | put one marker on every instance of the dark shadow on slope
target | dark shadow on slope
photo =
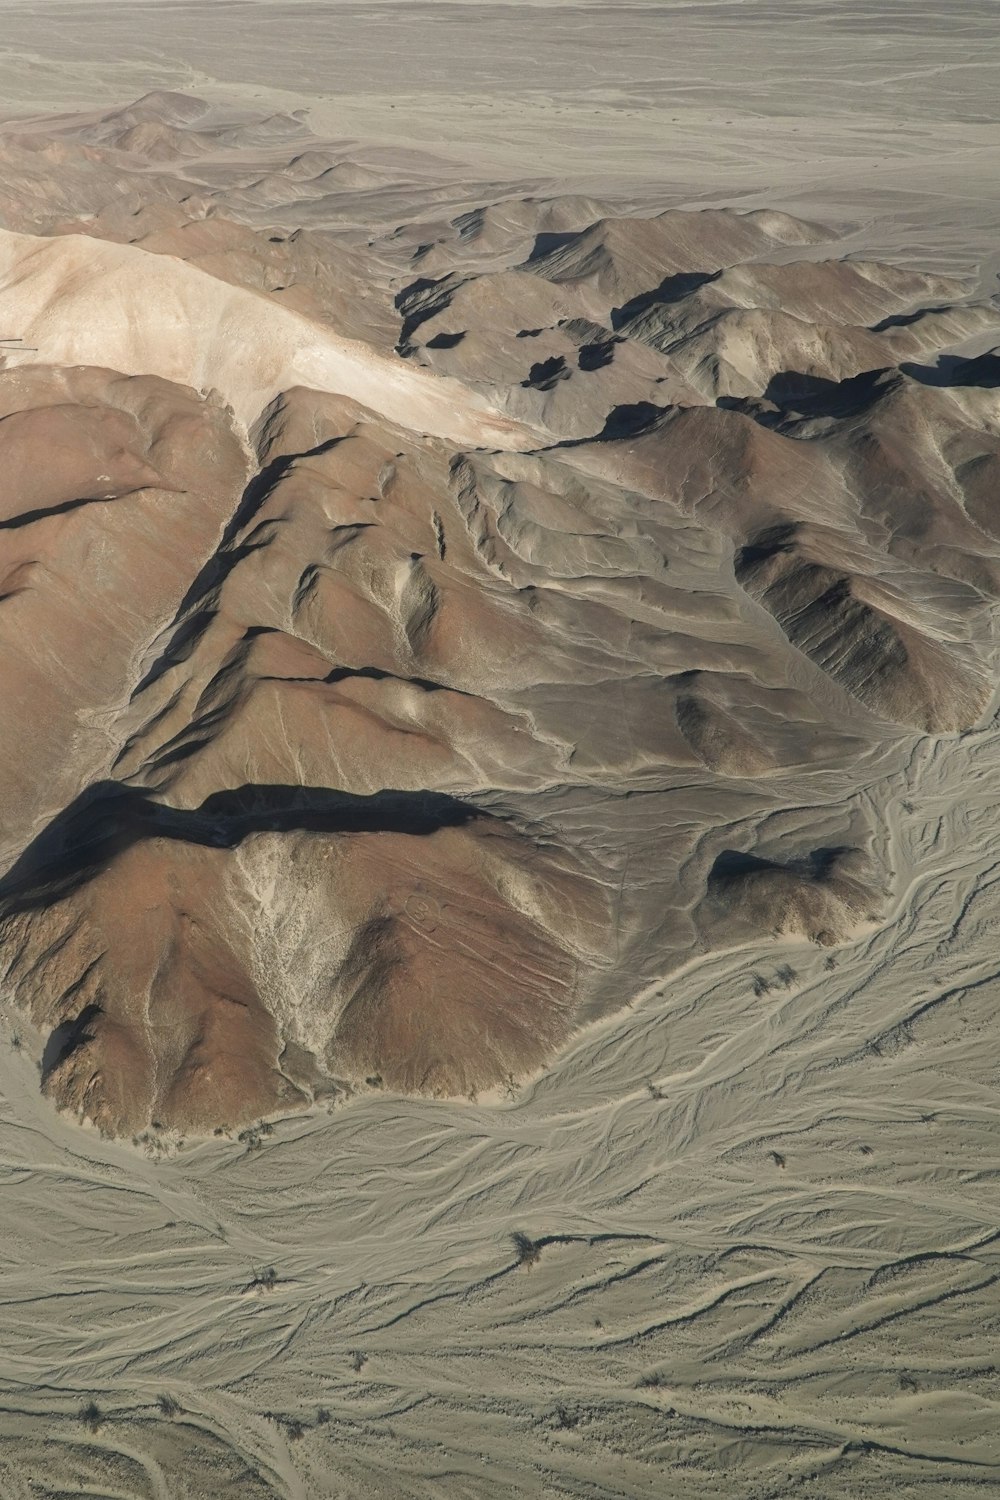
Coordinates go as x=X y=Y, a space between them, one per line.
x=818 y=396
x=415 y=308
x=109 y=818
x=546 y=374
x=597 y=355
x=767 y=544
x=625 y=421
x=764 y=413
x=377 y=674
x=445 y=340
x=671 y=289
x=44 y=513
x=549 y=241
x=628 y=420
x=905 y=319
x=66 y=1038
x=223 y=560
x=982 y=371
x=817 y=864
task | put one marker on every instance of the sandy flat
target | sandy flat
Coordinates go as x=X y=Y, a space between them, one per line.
x=870 y=112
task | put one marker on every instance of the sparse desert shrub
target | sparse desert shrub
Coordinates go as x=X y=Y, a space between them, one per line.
x=264 y=1281
x=293 y=1427
x=168 y=1406
x=785 y=975
x=322 y=1417
x=91 y=1415
x=358 y=1361
x=525 y=1248
x=253 y=1137
x=250 y=1139
x=777 y=1158
x=760 y=986
x=564 y=1420
x=654 y=1090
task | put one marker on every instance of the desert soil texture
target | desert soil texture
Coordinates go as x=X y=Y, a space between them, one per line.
x=500 y=757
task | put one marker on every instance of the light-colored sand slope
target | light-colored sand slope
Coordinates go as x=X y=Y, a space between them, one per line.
x=79 y=301
x=498 y=806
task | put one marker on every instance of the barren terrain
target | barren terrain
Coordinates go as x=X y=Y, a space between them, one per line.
x=499 y=639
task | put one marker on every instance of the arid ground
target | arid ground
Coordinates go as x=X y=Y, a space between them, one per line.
x=499 y=764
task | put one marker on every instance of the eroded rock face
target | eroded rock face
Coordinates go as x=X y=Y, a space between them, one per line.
x=421 y=631
x=113 y=488
x=203 y=968
x=825 y=896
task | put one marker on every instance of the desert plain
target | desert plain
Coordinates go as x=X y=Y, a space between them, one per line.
x=500 y=568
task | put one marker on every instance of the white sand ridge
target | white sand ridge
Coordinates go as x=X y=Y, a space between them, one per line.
x=75 y=300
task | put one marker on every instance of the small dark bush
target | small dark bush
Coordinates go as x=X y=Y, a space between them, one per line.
x=253 y=1136
x=91 y=1415
x=525 y=1249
